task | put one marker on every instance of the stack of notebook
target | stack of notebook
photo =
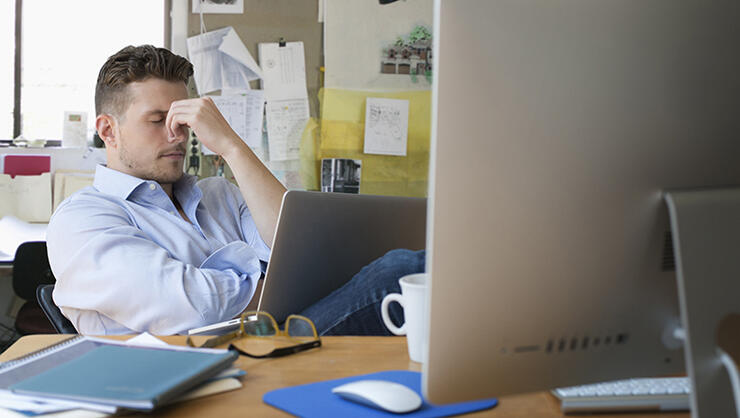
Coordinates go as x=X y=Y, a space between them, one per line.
x=108 y=376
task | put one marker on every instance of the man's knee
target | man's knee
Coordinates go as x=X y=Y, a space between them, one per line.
x=393 y=265
x=404 y=260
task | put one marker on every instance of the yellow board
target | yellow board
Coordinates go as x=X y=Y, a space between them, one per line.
x=341 y=133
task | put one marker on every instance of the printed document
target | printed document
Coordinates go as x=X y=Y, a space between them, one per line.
x=284 y=83
x=244 y=112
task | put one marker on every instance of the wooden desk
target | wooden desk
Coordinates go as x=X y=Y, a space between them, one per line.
x=338 y=357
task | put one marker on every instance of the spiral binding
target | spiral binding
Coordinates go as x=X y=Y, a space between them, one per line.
x=40 y=353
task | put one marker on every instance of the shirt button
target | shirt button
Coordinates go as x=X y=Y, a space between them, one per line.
x=152 y=186
x=172 y=212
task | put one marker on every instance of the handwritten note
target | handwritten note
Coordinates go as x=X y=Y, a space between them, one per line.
x=386 y=126
x=286 y=120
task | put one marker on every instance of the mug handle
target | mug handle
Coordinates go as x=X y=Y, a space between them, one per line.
x=392 y=297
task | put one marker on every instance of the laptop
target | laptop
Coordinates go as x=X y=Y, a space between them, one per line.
x=323 y=239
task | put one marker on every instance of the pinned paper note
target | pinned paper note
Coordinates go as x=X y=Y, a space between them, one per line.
x=284 y=82
x=386 y=126
x=284 y=70
x=244 y=112
x=221 y=61
x=286 y=120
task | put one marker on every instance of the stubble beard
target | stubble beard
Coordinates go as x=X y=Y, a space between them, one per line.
x=159 y=174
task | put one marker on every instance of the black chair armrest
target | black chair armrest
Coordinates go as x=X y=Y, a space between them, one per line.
x=58 y=320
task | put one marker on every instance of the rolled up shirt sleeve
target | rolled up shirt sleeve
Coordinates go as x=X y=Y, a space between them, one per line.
x=252 y=235
x=234 y=205
x=114 y=278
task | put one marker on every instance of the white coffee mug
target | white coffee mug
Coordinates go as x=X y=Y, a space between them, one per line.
x=413 y=299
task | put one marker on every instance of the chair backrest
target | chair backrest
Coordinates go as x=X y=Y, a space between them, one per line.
x=31 y=269
x=58 y=320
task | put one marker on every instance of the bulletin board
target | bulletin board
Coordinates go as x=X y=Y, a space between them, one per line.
x=367 y=44
x=270 y=20
x=341 y=132
x=336 y=129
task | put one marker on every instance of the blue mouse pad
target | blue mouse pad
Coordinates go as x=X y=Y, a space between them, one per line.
x=316 y=399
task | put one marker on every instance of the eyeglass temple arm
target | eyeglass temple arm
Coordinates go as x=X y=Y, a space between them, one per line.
x=280 y=352
x=215 y=341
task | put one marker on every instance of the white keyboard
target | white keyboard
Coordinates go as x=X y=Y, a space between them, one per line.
x=650 y=394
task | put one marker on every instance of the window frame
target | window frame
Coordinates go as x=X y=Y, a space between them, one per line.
x=168 y=35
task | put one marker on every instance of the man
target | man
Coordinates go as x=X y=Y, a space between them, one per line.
x=148 y=248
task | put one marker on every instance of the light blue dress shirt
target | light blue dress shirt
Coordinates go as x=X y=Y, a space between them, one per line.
x=127 y=262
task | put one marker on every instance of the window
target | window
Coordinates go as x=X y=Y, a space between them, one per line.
x=7 y=53
x=63 y=46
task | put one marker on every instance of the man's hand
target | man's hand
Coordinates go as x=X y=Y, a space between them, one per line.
x=209 y=125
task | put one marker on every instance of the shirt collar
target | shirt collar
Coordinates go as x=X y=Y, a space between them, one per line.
x=186 y=191
x=116 y=183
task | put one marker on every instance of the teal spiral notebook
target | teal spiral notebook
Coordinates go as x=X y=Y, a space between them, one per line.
x=317 y=400
x=125 y=376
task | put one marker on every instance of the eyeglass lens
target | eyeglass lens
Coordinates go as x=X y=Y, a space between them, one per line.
x=259 y=325
x=299 y=327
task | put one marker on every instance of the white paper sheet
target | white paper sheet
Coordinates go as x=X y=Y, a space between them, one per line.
x=244 y=112
x=386 y=126
x=41 y=405
x=233 y=46
x=220 y=60
x=284 y=83
x=146 y=339
x=14 y=232
x=283 y=71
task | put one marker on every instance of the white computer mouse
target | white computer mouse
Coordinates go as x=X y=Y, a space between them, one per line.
x=381 y=394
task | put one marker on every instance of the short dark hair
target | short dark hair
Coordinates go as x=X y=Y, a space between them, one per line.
x=131 y=64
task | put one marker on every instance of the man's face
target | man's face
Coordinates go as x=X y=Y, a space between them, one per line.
x=143 y=148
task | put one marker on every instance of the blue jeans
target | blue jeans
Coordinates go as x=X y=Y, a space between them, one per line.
x=354 y=309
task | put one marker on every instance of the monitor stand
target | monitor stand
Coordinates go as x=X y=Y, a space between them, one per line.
x=706 y=239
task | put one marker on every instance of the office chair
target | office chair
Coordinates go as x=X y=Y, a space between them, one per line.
x=58 y=320
x=31 y=269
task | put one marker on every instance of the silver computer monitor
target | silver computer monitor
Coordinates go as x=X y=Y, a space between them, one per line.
x=557 y=127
